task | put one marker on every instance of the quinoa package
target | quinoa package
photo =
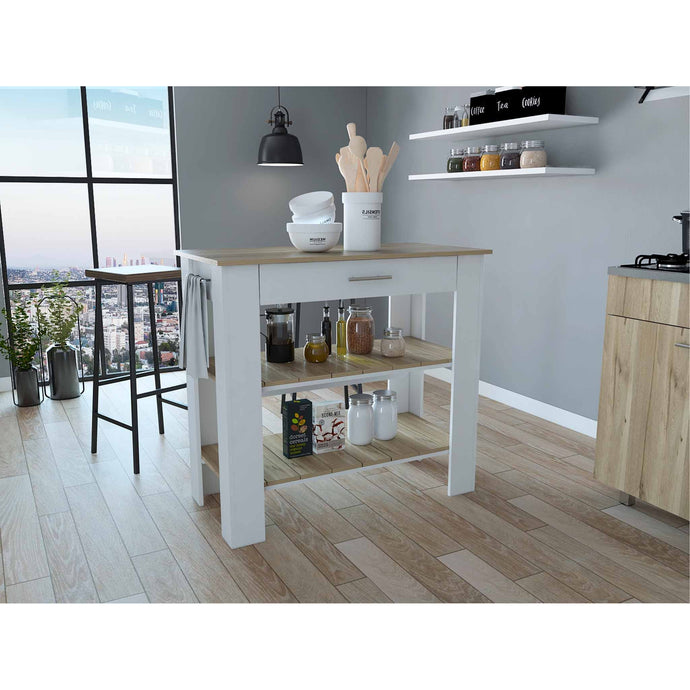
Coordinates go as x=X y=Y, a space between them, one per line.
x=329 y=426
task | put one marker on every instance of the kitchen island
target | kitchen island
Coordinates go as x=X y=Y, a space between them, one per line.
x=228 y=451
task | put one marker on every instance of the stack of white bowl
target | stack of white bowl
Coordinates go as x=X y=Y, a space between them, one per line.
x=313 y=227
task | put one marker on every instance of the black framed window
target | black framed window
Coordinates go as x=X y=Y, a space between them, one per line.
x=88 y=179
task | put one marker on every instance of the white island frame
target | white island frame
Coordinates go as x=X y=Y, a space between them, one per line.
x=226 y=409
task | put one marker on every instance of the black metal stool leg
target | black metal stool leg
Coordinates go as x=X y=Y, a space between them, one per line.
x=97 y=344
x=156 y=361
x=133 y=377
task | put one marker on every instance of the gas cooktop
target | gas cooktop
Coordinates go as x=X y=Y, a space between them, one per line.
x=677 y=263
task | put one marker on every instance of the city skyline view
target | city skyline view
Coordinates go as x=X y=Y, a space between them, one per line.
x=46 y=225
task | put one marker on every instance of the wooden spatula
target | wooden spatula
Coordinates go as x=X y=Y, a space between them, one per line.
x=348 y=166
x=373 y=163
x=390 y=159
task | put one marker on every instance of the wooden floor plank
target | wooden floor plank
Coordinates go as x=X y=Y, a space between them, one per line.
x=438 y=579
x=22 y=544
x=332 y=493
x=133 y=521
x=549 y=590
x=255 y=577
x=415 y=527
x=617 y=575
x=49 y=494
x=492 y=584
x=162 y=578
x=641 y=541
x=662 y=515
x=69 y=457
x=32 y=592
x=207 y=576
x=413 y=474
x=301 y=576
x=363 y=591
x=72 y=581
x=650 y=525
x=12 y=460
x=567 y=571
x=111 y=568
x=30 y=424
x=395 y=582
x=310 y=541
x=496 y=554
x=667 y=578
x=332 y=525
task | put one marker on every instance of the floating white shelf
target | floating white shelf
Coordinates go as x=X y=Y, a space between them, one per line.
x=662 y=93
x=523 y=172
x=535 y=123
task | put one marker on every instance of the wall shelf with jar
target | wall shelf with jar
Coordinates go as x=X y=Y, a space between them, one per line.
x=525 y=172
x=535 y=123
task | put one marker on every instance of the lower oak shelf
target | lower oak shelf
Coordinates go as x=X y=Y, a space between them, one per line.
x=416 y=439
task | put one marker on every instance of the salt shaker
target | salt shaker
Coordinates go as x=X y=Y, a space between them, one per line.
x=360 y=420
x=385 y=414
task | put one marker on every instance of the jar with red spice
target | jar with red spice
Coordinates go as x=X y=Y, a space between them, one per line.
x=472 y=159
x=360 y=330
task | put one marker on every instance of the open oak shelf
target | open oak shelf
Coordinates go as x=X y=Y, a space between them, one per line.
x=416 y=438
x=418 y=353
x=548 y=171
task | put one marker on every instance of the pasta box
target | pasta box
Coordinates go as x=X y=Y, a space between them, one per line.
x=297 y=428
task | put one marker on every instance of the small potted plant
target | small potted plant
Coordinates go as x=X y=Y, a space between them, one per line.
x=20 y=348
x=57 y=323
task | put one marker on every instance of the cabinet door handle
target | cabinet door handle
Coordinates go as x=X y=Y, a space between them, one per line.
x=357 y=279
x=687 y=347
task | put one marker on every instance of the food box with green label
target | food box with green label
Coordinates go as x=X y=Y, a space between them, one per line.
x=297 y=428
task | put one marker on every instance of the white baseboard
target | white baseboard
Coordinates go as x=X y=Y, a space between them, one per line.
x=569 y=420
x=5 y=384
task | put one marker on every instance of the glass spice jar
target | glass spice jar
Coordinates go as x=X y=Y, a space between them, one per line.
x=533 y=154
x=466 y=115
x=316 y=348
x=491 y=158
x=472 y=159
x=510 y=156
x=449 y=117
x=360 y=330
x=454 y=164
x=392 y=343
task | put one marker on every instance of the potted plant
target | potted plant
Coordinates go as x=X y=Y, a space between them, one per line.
x=57 y=323
x=20 y=347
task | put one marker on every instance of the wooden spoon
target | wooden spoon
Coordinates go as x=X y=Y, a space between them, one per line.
x=373 y=162
x=390 y=159
x=358 y=146
x=351 y=130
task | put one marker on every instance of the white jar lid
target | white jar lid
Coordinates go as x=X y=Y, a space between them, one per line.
x=385 y=395
x=309 y=203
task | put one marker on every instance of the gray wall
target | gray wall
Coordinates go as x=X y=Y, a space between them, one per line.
x=553 y=239
x=226 y=199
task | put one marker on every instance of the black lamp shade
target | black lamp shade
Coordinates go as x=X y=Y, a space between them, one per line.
x=280 y=149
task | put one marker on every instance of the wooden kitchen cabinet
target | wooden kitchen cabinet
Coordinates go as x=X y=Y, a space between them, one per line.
x=642 y=439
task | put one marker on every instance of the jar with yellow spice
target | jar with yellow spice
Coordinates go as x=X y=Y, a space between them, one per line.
x=316 y=348
x=491 y=158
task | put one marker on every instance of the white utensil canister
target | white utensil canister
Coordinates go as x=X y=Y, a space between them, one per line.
x=362 y=221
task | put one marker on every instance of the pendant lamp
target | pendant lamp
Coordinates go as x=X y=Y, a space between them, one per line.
x=279 y=147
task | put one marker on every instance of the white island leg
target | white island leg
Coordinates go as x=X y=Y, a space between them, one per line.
x=464 y=395
x=238 y=400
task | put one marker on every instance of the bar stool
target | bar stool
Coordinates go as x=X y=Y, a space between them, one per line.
x=129 y=276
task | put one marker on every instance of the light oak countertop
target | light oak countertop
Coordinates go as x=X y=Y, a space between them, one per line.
x=289 y=255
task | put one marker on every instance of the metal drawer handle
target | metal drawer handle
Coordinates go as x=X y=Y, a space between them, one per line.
x=687 y=347
x=357 y=279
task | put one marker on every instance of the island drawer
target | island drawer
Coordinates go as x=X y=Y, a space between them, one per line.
x=660 y=301
x=331 y=280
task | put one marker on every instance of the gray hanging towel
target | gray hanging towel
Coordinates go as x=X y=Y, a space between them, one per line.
x=194 y=351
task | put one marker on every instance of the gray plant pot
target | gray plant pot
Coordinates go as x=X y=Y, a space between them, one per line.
x=62 y=372
x=26 y=381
